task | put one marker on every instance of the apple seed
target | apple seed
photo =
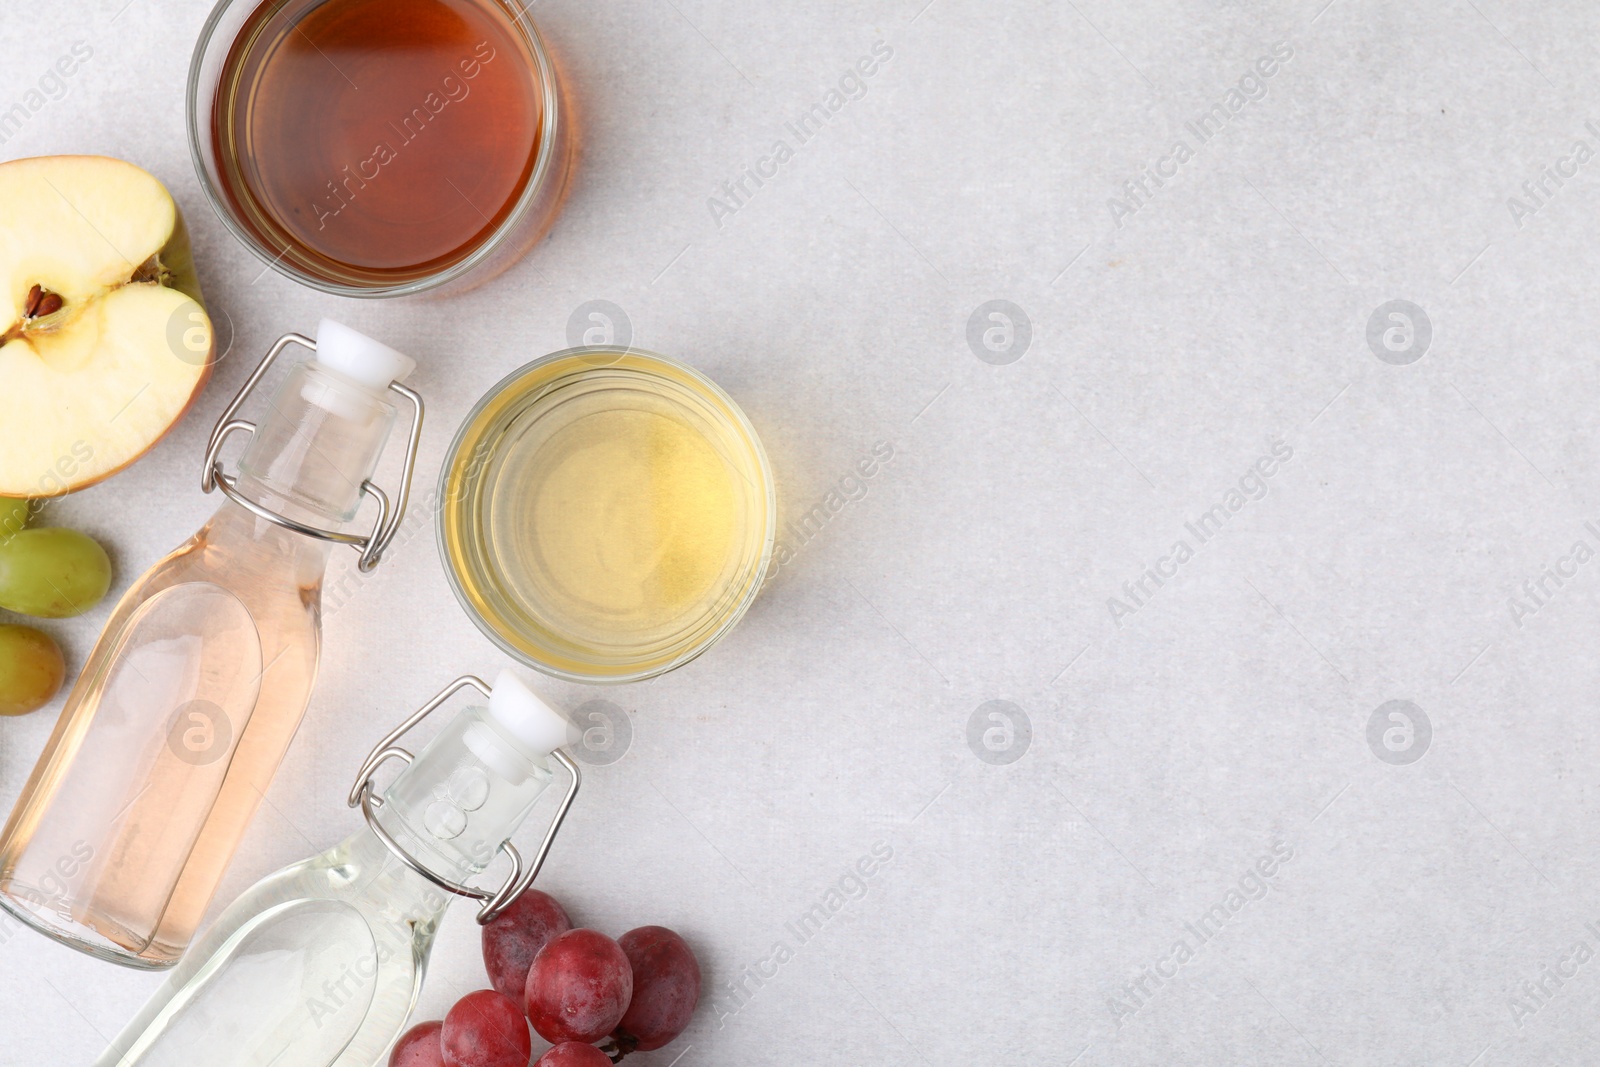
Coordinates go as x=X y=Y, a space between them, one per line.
x=40 y=302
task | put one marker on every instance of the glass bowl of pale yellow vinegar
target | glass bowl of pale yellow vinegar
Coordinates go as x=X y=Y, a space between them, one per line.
x=606 y=514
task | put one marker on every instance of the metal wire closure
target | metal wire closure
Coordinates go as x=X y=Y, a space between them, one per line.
x=371 y=546
x=520 y=878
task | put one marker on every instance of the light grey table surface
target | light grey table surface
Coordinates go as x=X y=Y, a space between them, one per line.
x=1081 y=884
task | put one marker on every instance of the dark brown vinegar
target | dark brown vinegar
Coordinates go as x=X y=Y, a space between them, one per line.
x=377 y=141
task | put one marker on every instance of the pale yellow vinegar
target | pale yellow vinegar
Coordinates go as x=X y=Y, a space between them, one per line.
x=626 y=525
x=606 y=517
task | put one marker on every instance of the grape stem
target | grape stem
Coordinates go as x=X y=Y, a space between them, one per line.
x=618 y=1045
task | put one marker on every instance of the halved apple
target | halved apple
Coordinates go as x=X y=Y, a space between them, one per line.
x=104 y=343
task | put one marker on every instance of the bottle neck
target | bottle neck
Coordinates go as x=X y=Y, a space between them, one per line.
x=322 y=437
x=463 y=797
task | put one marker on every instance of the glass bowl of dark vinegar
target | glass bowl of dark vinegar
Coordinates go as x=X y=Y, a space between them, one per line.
x=374 y=148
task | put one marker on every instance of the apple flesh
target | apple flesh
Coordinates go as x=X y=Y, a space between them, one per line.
x=104 y=343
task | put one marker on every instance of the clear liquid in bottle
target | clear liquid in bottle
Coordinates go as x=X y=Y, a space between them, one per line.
x=320 y=964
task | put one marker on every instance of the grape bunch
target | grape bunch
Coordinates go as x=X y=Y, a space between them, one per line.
x=594 y=999
x=51 y=573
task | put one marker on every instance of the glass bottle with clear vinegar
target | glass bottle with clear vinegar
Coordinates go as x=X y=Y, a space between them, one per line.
x=319 y=965
x=191 y=696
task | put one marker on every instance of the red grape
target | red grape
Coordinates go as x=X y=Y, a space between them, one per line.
x=578 y=987
x=516 y=935
x=573 y=1054
x=485 y=1029
x=419 y=1047
x=666 y=987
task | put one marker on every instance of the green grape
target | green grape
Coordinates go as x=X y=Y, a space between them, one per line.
x=52 y=572
x=31 y=669
x=14 y=515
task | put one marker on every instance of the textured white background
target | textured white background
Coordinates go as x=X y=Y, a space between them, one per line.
x=1227 y=715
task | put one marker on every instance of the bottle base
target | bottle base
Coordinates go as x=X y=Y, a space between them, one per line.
x=15 y=901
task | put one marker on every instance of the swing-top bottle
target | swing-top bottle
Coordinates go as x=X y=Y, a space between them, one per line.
x=190 y=698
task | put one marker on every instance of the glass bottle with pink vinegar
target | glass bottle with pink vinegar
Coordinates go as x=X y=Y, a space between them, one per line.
x=190 y=698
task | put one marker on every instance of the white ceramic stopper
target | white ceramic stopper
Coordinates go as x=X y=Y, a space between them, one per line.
x=360 y=358
x=525 y=717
